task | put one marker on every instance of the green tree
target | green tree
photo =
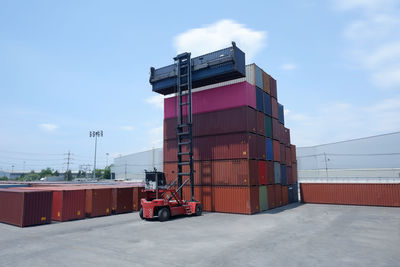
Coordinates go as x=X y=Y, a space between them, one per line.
x=68 y=176
x=56 y=173
x=99 y=173
x=32 y=176
x=45 y=172
x=3 y=178
x=107 y=172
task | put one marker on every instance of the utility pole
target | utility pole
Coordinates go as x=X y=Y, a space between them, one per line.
x=95 y=134
x=326 y=165
x=68 y=163
x=107 y=159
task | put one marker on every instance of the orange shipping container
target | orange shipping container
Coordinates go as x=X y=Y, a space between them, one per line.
x=387 y=195
x=293 y=149
x=98 y=201
x=137 y=196
x=271 y=196
x=202 y=194
x=277 y=150
x=285 y=196
x=278 y=195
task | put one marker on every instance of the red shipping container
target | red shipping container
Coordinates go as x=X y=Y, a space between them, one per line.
x=281 y=133
x=122 y=199
x=98 y=201
x=68 y=203
x=293 y=149
x=202 y=194
x=273 y=86
x=220 y=98
x=278 y=195
x=282 y=153
x=262 y=172
x=277 y=150
x=270 y=173
x=288 y=156
x=236 y=120
x=271 y=196
x=261 y=147
x=137 y=196
x=274 y=108
x=260 y=123
x=294 y=173
x=285 y=196
x=230 y=146
x=218 y=172
x=287 y=136
x=276 y=129
x=289 y=175
x=25 y=207
x=236 y=199
x=387 y=195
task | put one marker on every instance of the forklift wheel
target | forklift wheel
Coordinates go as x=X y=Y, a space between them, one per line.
x=141 y=213
x=199 y=209
x=163 y=214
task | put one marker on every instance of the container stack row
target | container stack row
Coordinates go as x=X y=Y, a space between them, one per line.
x=243 y=159
x=25 y=206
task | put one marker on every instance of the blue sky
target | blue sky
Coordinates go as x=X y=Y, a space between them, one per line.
x=68 y=68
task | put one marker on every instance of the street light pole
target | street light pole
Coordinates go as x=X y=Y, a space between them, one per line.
x=107 y=159
x=95 y=134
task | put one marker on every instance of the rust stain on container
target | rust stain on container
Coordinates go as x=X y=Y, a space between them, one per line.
x=25 y=207
x=387 y=195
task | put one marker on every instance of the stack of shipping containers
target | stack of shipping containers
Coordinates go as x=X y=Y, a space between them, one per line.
x=243 y=159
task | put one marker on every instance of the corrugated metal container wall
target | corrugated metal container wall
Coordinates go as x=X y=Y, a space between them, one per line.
x=287 y=136
x=267 y=104
x=282 y=153
x=235 y=120
x=137 y=196
x=259 y=99
x=387 y=195
x=258 y=76
x=225 y=97
x=204 y=194
x=270 y=173
x=278 y=195
x=289 y=175
x=277 y=172
x=263 y=199
x=230 y=146
x=274 y=108
x=294 y=172
x=277 y=151
x=218 y=172
x=269 y=149
x=260 y=143
x=281 y=114
x=68 y=203
x=293 y=149
x=285 y=196
x=266 y=86
x=271 y=196
x=98 y=201
x=275 y=129
x=268 y=126
x=283 y=175
x=124 y=200
x=288 y=156
x=262 y=172
x=274 y=91
x=260 y=123
x=235 y=199
x=25 y=207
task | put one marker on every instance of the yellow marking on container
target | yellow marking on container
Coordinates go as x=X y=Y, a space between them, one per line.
x=244 y=153
x=245 y=180
x=124 y=207
x=78 y=212
x=107 y=210
x=43 y=219
x=58 y=214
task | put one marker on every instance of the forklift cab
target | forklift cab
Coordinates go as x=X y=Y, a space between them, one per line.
x=155 y=180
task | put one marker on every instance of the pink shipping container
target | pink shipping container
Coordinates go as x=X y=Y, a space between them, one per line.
x=387 y=195
x=225 y=97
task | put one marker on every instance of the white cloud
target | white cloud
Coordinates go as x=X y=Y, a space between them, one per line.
x=127 y=128
x=288 y=66
x=48 y=127
x=219 y=35
x=343 y=121
x=156 y=100
x=374 y=39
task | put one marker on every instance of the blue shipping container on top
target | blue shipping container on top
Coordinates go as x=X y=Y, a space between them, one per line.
x=267 y=104
x=259 y=99
x=222 y=65
x=13 y=185
x=269 y=148
x=281 y=115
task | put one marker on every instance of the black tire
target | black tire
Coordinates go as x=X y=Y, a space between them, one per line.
x=163 y=214
x=141 y=213
x=199 y=210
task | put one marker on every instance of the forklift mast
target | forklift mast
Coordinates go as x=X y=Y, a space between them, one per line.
x=184 y=127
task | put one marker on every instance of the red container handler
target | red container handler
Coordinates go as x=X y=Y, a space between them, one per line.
x=98 y=201
x=387 y=195
x=262 y=172
x=68 y=202
x=25 y=207
x=235 y=120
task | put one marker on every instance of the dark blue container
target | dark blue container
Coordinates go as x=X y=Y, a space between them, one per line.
x=13 y=185
x=259 y=99
x=295 y=193
x=290 y=194
x=283 y=175
x=281 y=114
x=267 y=104
x=269 y=148
x=222 y=65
